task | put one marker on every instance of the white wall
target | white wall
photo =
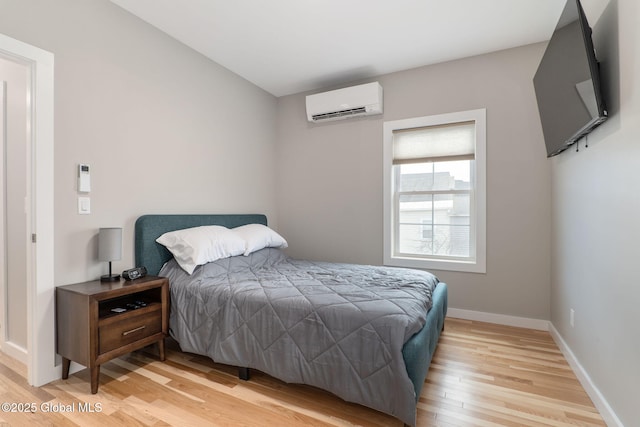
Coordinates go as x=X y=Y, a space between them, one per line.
x=329 y=181
x=596 y=205
x=164 y=129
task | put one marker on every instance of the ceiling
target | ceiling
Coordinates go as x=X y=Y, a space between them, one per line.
x=291 y=46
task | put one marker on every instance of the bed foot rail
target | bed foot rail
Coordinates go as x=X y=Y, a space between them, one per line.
x=243 y=374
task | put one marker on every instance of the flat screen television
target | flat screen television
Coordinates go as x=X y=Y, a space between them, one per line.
x=567 y=82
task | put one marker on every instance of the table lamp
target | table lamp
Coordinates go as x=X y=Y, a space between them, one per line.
x=110 y=249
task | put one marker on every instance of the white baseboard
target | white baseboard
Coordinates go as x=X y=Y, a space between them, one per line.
x=500 y=319
x=607 y=413
x=15 y=351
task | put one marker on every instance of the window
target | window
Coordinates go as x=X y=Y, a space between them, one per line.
x=434 y=192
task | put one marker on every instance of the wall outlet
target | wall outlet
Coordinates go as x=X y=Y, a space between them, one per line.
x=572 y=315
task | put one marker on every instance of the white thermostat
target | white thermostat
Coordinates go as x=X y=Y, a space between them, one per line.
x=84 y=178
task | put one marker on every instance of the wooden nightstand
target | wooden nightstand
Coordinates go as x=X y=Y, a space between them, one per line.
x=97 y=321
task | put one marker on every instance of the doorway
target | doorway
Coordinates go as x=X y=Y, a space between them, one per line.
x=40 y=288
x=14 y=119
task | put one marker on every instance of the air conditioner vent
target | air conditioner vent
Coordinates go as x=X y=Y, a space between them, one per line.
x=336 y=114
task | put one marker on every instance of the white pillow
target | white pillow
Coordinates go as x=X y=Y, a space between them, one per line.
x=199 y=245
x=258 y=236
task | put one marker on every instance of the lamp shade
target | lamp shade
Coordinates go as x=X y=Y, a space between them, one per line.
x=110 y=244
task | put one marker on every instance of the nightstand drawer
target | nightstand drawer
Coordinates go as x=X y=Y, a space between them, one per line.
x=128 y=330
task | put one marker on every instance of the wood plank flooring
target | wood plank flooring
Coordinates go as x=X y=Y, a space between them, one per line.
x=481 y=375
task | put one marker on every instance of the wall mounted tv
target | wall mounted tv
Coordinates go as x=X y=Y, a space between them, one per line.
x=567 y=82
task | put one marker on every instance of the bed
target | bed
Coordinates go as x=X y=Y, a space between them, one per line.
x=201 y=324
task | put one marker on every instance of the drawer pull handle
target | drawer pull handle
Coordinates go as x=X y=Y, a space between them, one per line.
x=124 y=334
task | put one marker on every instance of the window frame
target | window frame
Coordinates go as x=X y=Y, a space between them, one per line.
x=473 y=264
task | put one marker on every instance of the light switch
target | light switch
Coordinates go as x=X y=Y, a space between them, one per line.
x=84 y=205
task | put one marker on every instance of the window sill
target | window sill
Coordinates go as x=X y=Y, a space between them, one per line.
x=436 y=264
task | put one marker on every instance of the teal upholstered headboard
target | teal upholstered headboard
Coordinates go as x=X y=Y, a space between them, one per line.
x=153 y=255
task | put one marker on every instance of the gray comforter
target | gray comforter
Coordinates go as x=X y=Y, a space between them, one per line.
x=340 y=327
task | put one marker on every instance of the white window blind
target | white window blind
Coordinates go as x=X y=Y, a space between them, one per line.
x=452 y=141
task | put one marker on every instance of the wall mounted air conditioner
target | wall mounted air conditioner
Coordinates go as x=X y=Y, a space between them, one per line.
x=354 y=101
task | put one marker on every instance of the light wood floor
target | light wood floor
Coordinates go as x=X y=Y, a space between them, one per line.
x=481 y=375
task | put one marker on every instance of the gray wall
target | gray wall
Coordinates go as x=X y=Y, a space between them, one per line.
x=163 y=128
x=595 y=225
x=329 y=177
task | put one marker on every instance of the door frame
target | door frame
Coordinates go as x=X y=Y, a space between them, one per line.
x=39 y=207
